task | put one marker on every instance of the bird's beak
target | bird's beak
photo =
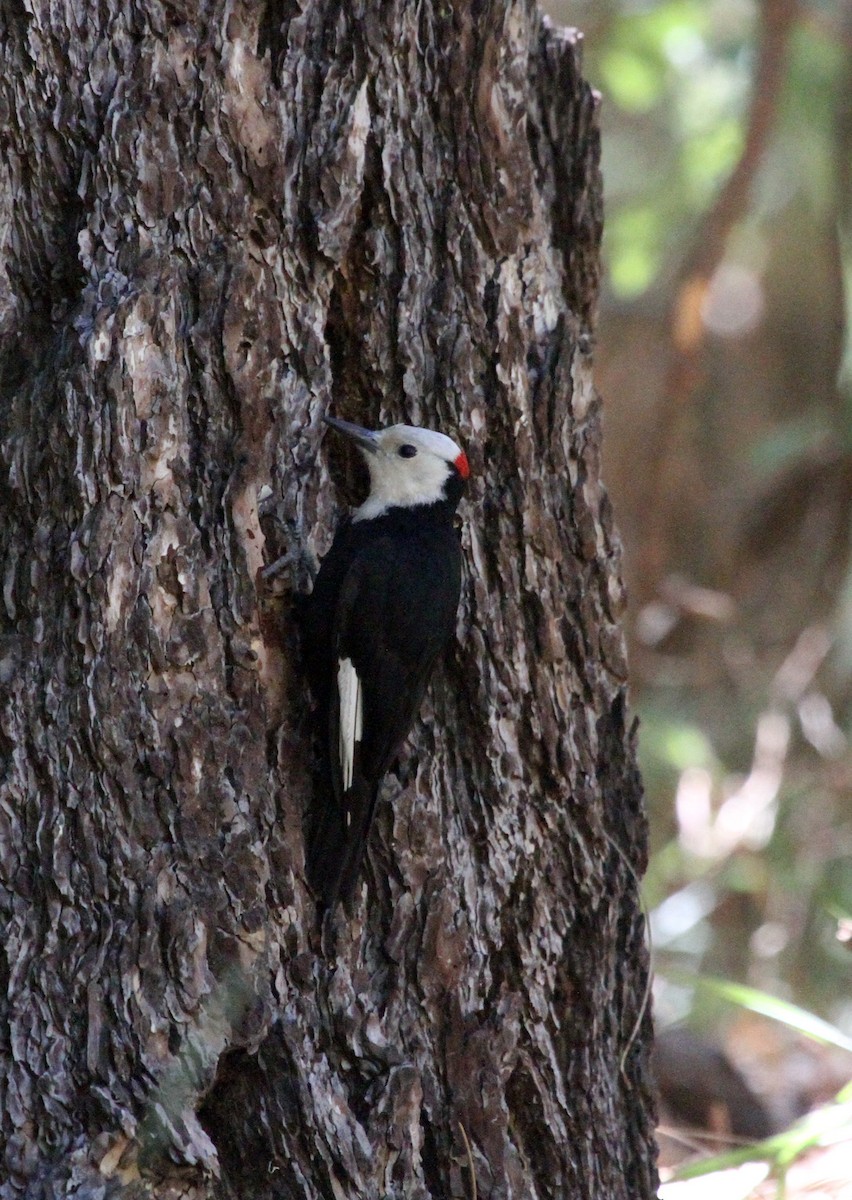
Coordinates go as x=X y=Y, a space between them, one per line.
x=365 y=438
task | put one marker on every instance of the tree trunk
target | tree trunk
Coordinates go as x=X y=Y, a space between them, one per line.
x=218 y=223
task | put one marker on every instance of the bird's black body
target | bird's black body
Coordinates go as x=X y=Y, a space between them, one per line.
x=384 y=605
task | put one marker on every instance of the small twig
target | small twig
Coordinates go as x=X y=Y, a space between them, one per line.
x=469 y=1152
x=697 y=1139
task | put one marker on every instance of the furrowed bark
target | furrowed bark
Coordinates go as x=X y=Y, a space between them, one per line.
x=217 y=225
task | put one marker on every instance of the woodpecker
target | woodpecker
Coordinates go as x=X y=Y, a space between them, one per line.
x=382 y=609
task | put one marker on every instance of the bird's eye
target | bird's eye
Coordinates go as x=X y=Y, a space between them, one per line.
x=407 y=451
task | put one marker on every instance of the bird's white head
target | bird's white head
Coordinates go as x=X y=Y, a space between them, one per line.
x=408 y=466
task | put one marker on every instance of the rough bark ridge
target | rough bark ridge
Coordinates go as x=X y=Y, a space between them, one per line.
x=218 y=222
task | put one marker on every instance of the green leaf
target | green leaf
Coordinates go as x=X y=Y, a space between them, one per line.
x=634 y=82
x=709 y=157
x=768 y=1006
x=633 y=239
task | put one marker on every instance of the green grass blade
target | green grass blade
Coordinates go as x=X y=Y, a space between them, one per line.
x=768 y=1006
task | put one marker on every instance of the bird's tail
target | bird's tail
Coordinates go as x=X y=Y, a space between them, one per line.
x=338 y=842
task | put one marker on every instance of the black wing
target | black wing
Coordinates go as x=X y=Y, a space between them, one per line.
x=395 y=612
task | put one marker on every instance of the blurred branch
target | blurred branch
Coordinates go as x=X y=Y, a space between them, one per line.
x=777 y=19
x=747 y=816
x=685 y=324
x=843 y=133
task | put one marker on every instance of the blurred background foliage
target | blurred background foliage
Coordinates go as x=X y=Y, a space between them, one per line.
x=725 y=361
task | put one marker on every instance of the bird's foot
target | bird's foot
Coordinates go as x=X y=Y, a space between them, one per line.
x=280 y=565
x=299 y=561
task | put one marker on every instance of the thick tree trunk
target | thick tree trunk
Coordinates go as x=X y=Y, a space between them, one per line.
x=220 y=222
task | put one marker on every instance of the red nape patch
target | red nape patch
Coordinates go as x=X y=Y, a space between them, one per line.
x=462 y=465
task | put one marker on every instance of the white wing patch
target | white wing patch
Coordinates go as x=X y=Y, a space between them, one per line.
x=349 y=691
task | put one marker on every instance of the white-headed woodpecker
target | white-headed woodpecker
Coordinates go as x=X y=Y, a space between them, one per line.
x=382 y=609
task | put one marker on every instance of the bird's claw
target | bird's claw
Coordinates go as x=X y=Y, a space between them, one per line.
x=298 y=557
x=281 y=564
